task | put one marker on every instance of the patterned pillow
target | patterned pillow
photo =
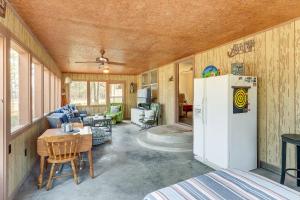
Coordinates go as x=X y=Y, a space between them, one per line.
x=72 y=107
x=115 y=109
x=69 y=113
x=149 y=115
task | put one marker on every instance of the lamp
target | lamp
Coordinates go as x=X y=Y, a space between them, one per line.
x=106 y=70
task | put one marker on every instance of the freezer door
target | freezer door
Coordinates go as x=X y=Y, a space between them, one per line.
x=243 y=127
x=198 y=129
x=216 y=119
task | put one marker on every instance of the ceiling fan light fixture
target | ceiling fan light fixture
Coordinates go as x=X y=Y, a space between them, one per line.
x=106 y=71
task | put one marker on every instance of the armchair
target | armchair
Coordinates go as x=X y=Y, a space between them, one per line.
x=116 y=112
x=150 y=117
x=102 y=132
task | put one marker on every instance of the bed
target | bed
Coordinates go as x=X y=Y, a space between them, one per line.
x=225 y=184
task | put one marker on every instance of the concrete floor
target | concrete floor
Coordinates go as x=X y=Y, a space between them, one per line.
x=187 y=119
x=123 y=170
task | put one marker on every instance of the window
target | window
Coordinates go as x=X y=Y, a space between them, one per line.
x=46 y=91
x=97 y=93
x=116 y=93
x=19 y=87
x=36 y=89
x=58 y=92
x=78 y=92
x=52 y=92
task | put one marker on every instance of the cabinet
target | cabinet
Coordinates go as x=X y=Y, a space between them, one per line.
x=150 y=80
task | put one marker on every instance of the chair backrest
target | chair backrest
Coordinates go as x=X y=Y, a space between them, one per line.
x=117 y=104
x=156 y=108
x=62 y=147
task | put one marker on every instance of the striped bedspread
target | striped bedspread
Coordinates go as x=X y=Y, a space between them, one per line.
x=225 y=184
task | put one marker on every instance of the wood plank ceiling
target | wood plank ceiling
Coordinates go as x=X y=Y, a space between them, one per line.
x=144 y=34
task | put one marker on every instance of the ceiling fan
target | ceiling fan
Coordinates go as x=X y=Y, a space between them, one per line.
x=102 y=60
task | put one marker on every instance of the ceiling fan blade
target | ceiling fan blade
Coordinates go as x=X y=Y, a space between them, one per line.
x=116 y=63
x=88 y=62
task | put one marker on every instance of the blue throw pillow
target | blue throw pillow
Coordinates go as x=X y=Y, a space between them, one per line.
x=59 y=110
x=69 y=113
x=72 y=106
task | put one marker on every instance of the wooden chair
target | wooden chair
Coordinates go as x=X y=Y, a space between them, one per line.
x=61 y=150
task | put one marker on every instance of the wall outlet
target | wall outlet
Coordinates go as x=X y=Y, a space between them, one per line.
x=9 y=148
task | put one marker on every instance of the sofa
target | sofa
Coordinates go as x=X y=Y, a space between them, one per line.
x=116 y=112
x=65 y=114
x=72 y=112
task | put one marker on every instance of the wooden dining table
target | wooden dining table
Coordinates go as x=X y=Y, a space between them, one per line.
x=85 y=145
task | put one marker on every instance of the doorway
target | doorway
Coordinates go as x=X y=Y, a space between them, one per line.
x=185 y=91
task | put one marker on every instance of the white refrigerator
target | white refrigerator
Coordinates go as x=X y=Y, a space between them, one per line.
x=225 y=121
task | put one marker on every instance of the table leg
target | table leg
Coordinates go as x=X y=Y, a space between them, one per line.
x=90 y=156
x=40 y=179
x=298 y=166
x=283 y=162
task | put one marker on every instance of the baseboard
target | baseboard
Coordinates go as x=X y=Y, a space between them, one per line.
x=270 y=167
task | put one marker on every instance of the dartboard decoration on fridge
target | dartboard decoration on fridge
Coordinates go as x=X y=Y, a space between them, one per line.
x=240 y=100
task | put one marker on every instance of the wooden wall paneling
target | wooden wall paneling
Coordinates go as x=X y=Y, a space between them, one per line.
x=167 y=93
x=19 y=164
x=236 y=59
x=249 y=60
x=161 y=79
x=286 y=89
x=261 y=73
x=197 y=69
x=222 y=63
x=204 y=61
x=272 y=58
x=297 y=76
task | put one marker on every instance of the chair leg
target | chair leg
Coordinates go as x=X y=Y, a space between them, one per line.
x=49 y=184
x=76 y=165
x=74 y=172
x=283 y=162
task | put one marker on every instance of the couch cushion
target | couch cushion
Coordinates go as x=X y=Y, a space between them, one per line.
x=63 y=117
x=115 y=109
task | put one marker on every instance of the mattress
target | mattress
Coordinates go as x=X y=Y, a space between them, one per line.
x=225 y=184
